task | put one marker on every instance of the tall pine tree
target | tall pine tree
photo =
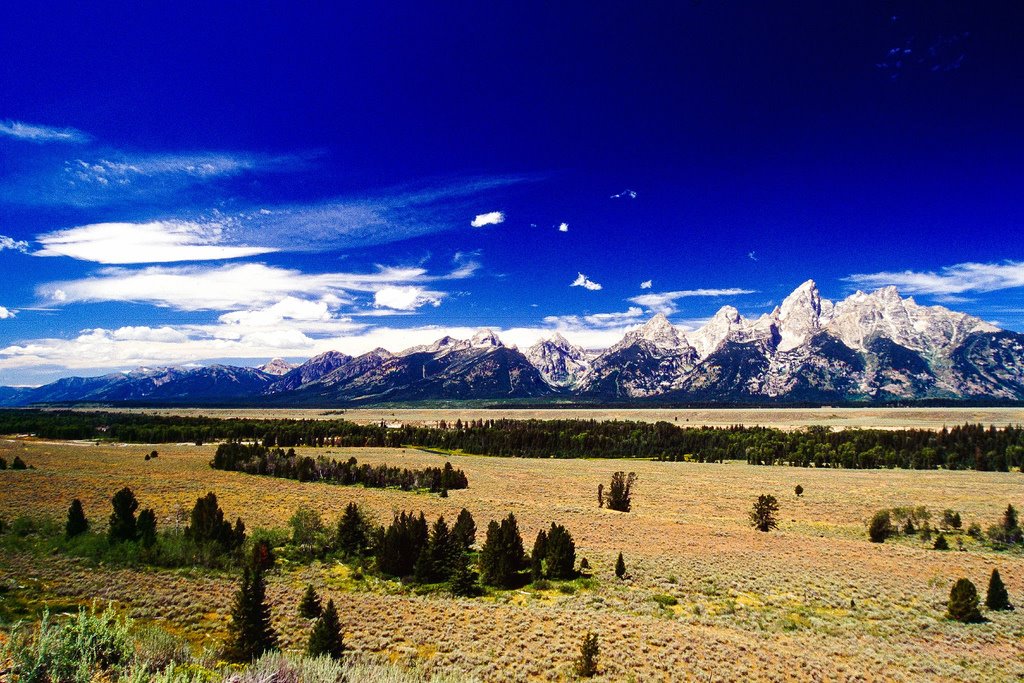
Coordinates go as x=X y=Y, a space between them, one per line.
x=251 y=633
x=326 y=639
x=996 y=597
x=76 y=523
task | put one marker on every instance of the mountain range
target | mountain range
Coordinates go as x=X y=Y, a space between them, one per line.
x=868 y=348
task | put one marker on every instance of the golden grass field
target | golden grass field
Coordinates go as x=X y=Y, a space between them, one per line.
x=752 y=606
x=782 y=418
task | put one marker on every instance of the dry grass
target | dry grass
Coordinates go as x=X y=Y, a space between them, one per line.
x=752 y=606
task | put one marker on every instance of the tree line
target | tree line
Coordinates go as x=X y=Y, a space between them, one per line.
x=969 y=446
x=276 y=462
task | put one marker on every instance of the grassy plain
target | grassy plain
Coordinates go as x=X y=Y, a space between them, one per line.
x=812 y=601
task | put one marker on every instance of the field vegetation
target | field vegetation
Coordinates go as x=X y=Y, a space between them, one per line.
x=703 y=594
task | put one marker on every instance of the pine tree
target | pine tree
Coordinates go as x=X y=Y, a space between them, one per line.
x=146 y=526
x=502 y=555
x=326 y=639
x=561 y=553
x=76 y=523
x=762 y=516
x=963 y=603
x=353 y=537
x=996 y=597
x=251 y=633
x=440 y=551
x=540 y=551
x=620 y=493
x=464 y=529
x=586 y=664
x=940 y=542
x=620 y=568
x=123 y=525
x=309 y=606
x=207 y=524
x=463 y=581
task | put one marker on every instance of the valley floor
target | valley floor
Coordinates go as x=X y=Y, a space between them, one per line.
x=813 y=600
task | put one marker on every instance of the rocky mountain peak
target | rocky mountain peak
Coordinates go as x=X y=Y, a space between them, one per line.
x=485 y=339
x=277 y=367
x=799 y=316
x=659 y=331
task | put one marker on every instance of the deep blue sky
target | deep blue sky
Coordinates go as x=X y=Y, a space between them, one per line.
x=285 y=181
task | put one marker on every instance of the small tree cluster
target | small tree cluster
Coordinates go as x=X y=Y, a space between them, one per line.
x=502 y=555
x=1008 y=531
x=124 y=526
x=554 y=554
x=326 y=639
x=398 y=547
x=208 y=526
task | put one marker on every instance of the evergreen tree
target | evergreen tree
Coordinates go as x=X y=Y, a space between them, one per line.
x=1009 y=519
x=353 y=537
x=464 y=530
x=463 y=580
x=251 y=633
x=940 y=542
x=600 y=495
x=123 y=525
x=262 y=558
x=309 y=605
x=880 y=527
x=207 y=524
x=540 y=551
x=762 y=516
x=76 y=523
x=620 y=493
x=963 y=603
x=441 y=550
x=908 y=528
x=996 y=597
x=586 y=665
x=620 y=567
x=399 y=546
x=146 y=526
x=561 y=553
x=502 y=555
x=799 y=490
x=18 y=463
x=326 y=639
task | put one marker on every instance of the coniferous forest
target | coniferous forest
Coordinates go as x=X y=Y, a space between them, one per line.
x=960 y=447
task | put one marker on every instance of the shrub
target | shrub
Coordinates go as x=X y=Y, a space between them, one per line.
x=620 y=493
x=666 y=600
x=88 y=646
x=799 y=490
x=963 y=603
x=326 y=639
x=763 y=514
x=586 y=663
x=123 y=525
x=996 y=597
x=156 y=650
x=18 y=463
x=880 y=527
x=974 y=530
x=951 y=519
x=76 y=523
x=307 y=528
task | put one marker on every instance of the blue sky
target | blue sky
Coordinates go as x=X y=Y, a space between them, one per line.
x=183 y=184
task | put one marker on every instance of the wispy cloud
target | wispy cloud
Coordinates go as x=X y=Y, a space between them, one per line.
x=602 y=321
x=625 y=194
x=13 y=244
x=126 y=169
x=232 y=286
x=664 y=302
x=37 y=133
x=6 y=313
x=406 y=297
x=951 y=280
x=585 y=282
x=646 y=284
x=752 y=256
x=492 y=218
x=153 y=242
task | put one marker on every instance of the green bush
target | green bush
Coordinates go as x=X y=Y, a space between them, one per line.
x=665 y=600
x=88 y=645
x=157 y=650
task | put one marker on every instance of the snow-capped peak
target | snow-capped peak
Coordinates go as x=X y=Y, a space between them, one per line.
x=485 y=339
x=559 y=362
x=659 y=331
x=277 y=366
x=800 y=315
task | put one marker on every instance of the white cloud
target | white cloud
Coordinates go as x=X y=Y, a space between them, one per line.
x=563 y=227
x=405 y=298
x=646 y=284
x=951 y=280
x=127 y=169
x=752 y=256
x=153 y=242
x=13 y=244
x=492 y=218
x=625 y=194
x=664 y=302
x=585 y=282
x=602 y=321
x=40 y=134
x=6 y=313
x=234 y=286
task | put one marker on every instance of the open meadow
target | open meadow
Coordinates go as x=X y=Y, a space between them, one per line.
x=706 y=597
